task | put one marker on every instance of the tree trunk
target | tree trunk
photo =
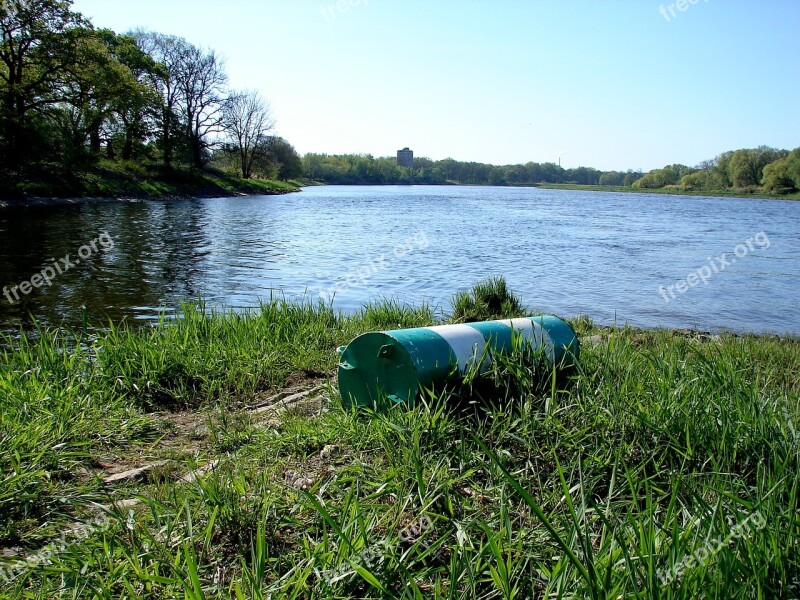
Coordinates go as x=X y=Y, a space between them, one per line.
x=167 y=140
x=127 y=148
x=94 y=140
x=245 y=164
x=12 y=127
x=195 y=152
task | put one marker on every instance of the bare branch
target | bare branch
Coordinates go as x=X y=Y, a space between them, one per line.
x=248 y=122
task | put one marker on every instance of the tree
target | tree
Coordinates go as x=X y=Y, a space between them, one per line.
x=496 y=176
x=783 y=175
x=583 y=176
x=747 y=165
x=720 y=170
x=632 y=177
x=192 y=83
x=138 y=104
x=201 y=80
x=551 y=173
x=166 y=52
x=102 y=94
x=39 y=47
x=247 y=121
x=612 y=178
x=695 y=181
x=533 y=172
x=659 y=178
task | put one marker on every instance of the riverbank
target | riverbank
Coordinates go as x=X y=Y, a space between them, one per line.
x=114 y=182
x=668 y=191
x=590 y=188
x=211 y=457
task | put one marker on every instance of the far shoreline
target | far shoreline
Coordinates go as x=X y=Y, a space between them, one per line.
x=297 y=186
x=733 y=194
x=572 y=187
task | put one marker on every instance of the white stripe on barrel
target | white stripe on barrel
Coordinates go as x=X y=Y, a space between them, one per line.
x=467 y=343
x=533 y=333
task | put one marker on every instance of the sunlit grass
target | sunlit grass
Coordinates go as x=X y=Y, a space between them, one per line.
x=129 y=179
x=589 y=486
x=486 y=300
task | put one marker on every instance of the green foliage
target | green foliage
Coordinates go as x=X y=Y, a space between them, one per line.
x=74 y=99
x=132 y=179
x=743 y=170
x=612 y=178
x=676 y=190
x=583 y=176
x=631 y=178
x=720 y=167
x=746 y=168
x=487 y=300
x=659 y=178
x=695 y=181
x=366 y=169
x=783 y=175
x=276 y=159
x=42 y=41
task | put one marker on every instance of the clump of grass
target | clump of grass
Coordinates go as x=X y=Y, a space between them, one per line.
x=487 y=300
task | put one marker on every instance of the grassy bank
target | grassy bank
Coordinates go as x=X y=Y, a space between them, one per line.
x=669 y=191
x=114 y=179
x=662 y=447
x=606 y=188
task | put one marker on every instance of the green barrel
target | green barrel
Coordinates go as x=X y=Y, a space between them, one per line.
x=394 y=366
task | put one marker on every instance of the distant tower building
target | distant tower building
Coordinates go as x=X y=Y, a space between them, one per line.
x=405 y=158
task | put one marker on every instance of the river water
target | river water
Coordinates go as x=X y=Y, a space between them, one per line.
x=733 y=264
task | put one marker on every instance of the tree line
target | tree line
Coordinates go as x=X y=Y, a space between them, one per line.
x=72 y=95
x=366 y=169
x=748 y=170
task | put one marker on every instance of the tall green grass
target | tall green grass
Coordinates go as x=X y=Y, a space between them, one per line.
x=592 y=486
x=487 y=300
x=65 y=399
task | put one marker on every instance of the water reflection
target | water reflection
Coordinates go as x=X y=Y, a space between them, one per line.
x=569 y=253
x=157 y=257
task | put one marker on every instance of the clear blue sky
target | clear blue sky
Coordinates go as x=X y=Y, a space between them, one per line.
x=615 y=84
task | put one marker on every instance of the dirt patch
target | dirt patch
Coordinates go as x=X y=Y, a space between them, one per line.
x=188 y=430
x=188 y=433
